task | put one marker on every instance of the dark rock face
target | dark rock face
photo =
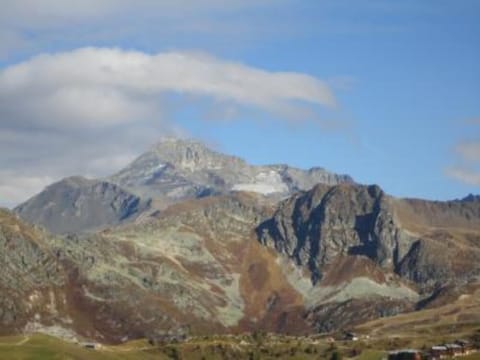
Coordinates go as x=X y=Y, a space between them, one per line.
x=315 y=227
x=471 y=198
x=77 y=204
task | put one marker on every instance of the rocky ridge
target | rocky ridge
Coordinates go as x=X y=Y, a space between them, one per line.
x=178 y=169
x=173 y=170
x=77 y=204
x=419 y=240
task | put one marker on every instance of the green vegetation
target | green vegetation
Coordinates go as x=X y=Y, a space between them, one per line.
x=249 y=347
x=42 y=347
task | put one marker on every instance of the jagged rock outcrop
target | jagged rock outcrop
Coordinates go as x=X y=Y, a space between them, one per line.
x=471 y=198
x=404 y=236
x=77 y=204
x=316 y=227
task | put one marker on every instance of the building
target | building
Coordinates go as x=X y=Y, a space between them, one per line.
x=467 y=347
x=438 y=352
x=454 y=350
x=91 y=345
x=351 y=336
x=458 y=348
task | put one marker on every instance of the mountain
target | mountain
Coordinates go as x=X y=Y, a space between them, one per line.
x=471 y=197
x=173 y=170
x=320 y=260
x=177 y=169
x=423 y=241
x=363 y=241
x=78 y=204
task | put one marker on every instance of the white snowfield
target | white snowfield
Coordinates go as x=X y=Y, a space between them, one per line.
x=264 y=183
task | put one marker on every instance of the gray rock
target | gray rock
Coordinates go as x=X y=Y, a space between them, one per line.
x=178 y=169
x=77 y=204
x=413 y=238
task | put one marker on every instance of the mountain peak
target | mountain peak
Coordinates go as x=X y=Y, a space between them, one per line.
x=471 y=198
x=176 y=141
x=188 y=154
x=176 y=168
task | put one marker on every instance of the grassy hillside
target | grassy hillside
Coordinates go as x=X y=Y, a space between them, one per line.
x=42 y=347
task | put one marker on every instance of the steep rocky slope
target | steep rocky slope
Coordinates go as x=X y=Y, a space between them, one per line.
x=32 y=281
x=422 y=241
x=78 y=204
x=196 y=266
x=320 y=260
x=417 y=251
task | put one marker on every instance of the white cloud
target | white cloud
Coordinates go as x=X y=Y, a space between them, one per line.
x=51 y=12
x=15 y=188
x=32 y=159
x=465 y=175
x=30 y=25
x=468 y=168
x=469 y=151
x=100 y=86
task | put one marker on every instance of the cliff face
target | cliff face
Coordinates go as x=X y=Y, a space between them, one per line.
x=412 y=238
x=316 y=227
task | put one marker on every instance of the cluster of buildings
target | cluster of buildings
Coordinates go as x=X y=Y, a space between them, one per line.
x=457 y=348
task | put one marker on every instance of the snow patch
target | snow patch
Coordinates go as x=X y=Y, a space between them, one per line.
x=148 y=173
x=264 y=183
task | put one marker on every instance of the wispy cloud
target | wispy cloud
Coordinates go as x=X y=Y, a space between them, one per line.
x=97 y=87
x=468 y=158
x=31 y=25
x=469 y=151
x=465 y=175
x=15 y=188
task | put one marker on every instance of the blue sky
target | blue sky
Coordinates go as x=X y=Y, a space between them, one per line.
x=403 y=76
